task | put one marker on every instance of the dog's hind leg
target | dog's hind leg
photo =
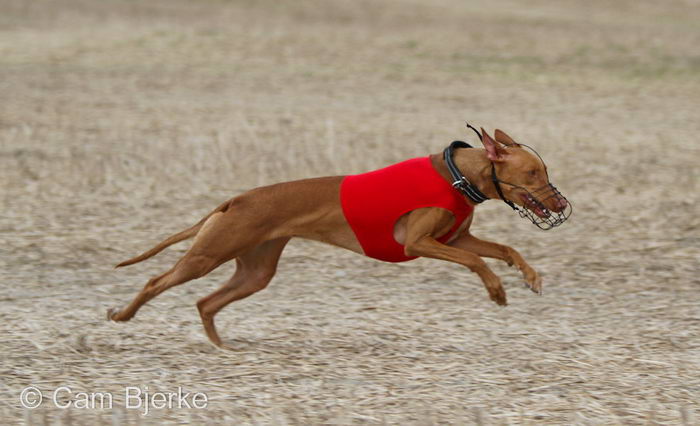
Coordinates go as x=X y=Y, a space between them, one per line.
x=216 y=243
x=186 y=269
x=254 y=270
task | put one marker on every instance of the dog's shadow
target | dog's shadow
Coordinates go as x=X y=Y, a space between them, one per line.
x=239 y=345
x=287 y=347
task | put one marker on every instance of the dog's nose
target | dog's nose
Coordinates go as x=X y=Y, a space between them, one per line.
x=561 y=204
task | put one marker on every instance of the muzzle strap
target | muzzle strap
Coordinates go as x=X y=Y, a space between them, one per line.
x=497 y=184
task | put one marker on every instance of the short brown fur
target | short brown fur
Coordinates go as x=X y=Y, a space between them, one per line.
x=254 y=228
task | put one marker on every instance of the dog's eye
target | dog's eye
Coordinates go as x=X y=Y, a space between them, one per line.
x=532 y=172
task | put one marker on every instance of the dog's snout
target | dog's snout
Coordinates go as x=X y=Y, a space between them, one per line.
x=556 y=203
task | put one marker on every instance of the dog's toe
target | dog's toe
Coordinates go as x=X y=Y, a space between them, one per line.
x=537 y=285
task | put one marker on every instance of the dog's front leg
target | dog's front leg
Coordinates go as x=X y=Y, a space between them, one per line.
x=424 y=225
x=499 y=251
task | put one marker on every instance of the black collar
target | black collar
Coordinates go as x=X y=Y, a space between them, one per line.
x=458 y=180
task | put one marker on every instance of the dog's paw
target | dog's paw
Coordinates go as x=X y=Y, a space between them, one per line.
x=227 y=346
x=534 y=281
x=498 y=295
x=112 y=314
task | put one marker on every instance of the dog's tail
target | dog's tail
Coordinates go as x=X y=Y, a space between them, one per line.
x=180 y=236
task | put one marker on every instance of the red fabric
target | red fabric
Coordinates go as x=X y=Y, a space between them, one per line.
x=373 y=202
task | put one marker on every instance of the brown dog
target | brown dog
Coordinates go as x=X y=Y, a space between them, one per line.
x=254 y=227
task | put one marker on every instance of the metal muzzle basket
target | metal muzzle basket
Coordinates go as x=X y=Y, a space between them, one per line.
x=547 y=219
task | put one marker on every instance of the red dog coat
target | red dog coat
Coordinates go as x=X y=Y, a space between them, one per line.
x=373 y=202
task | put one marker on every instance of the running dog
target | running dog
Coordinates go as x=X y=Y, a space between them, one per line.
x=421 y=207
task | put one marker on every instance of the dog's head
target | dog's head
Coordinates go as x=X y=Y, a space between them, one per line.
x=523 y=177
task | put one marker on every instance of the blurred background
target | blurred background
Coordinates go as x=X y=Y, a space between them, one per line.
x=122 y=122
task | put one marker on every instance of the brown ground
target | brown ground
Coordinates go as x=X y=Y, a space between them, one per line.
x=122 y=122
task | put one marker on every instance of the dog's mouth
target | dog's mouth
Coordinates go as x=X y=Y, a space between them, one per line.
x=535 y=209
x=535 y=206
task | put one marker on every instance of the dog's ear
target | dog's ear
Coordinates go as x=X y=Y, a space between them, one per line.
x=503 y=138
x=494 y=151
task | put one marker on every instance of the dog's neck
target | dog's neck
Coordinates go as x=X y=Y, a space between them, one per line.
x=473 y=164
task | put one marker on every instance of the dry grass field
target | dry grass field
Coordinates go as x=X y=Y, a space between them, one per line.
x=122 y=122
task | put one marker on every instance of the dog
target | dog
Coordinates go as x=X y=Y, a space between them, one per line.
x=417 y=208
